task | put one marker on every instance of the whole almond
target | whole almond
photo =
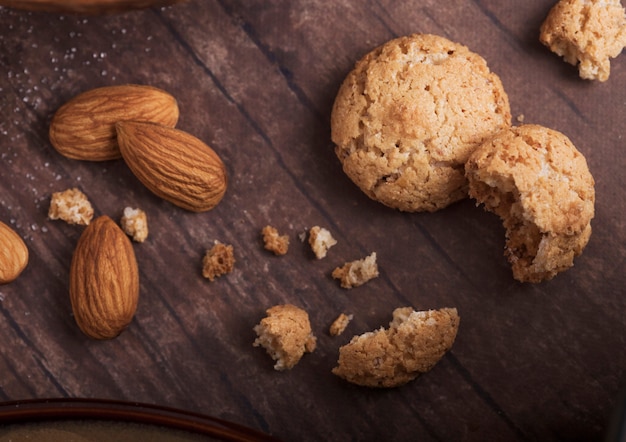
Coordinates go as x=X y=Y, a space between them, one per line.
x=13 y=254
x=104 y=280
x=84 y=127
x=173 y=164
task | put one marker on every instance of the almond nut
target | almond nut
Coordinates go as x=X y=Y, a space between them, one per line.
x=104 y=280
x=84 y=127
x=173 y=164
x=13 y=254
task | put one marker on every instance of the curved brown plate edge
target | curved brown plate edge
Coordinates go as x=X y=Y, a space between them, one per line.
x=33 y=410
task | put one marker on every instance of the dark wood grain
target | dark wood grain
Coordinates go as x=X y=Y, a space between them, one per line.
x=256 y=80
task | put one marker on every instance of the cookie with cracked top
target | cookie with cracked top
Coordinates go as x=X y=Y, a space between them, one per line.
x=409 y=114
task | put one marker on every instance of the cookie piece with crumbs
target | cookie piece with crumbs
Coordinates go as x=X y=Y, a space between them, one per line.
x=587 y=33
x=539 y=184
x=414 y=342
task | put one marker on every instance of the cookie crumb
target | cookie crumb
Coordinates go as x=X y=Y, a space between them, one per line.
x=135 y=223
x=218 y=261
x=412 y=345
x=274 y=242
x=286 y=335
x=71 y=206
x=320 y=240
x=587 y=33
x=339 y=325
x=358 y=272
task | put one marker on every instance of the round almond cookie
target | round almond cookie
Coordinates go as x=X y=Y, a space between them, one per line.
x=539 y=184
x=409 y=114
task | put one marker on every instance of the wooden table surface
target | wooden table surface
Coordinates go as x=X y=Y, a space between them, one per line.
x=256 y=81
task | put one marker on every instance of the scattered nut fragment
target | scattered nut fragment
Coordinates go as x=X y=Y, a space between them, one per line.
x=71 y=206
x=587 y=33
x=413 y=344
x=218 y=261
x=339 y=325
x=274 y=242
x=320 y=240
x=135 y=223
x=286 y=335
x=13 y=254
x=356 y=273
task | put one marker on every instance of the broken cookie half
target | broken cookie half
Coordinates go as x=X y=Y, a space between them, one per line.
x=414 y=342
x=539 y=184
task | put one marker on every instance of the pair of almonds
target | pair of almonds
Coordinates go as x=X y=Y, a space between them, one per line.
x=136 y=122
x=13 y=254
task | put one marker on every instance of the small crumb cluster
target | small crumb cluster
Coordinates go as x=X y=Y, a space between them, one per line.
x=71 y=206
x=275 y=242
x=339 y=325
x=358 y=272
x=587 y=33
x=135 y=223
x=286 y=335
x=320 y=240
x=218 y=261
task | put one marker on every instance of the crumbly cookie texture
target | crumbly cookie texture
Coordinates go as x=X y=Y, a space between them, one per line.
x=339 y=324
x=286 y=335
x=320 y=240
x=587 y=33
x=71 y=206
x=406 y=118
x=135 y=223
x=275 y=242
x=414 y=342
x=358 y=272
x=539 y=184
x=218 y=260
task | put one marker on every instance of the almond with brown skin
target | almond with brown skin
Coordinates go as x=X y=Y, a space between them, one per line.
x=104 y=280
x=13 y=254
x=173 y=164
x=84 y=127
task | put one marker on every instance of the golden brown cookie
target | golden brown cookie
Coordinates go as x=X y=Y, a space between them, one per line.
x=414 y=342
x=587 y=33
x=539 y=184
x=407 y=117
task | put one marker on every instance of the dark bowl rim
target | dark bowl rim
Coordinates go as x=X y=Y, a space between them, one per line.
x=39 y=410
